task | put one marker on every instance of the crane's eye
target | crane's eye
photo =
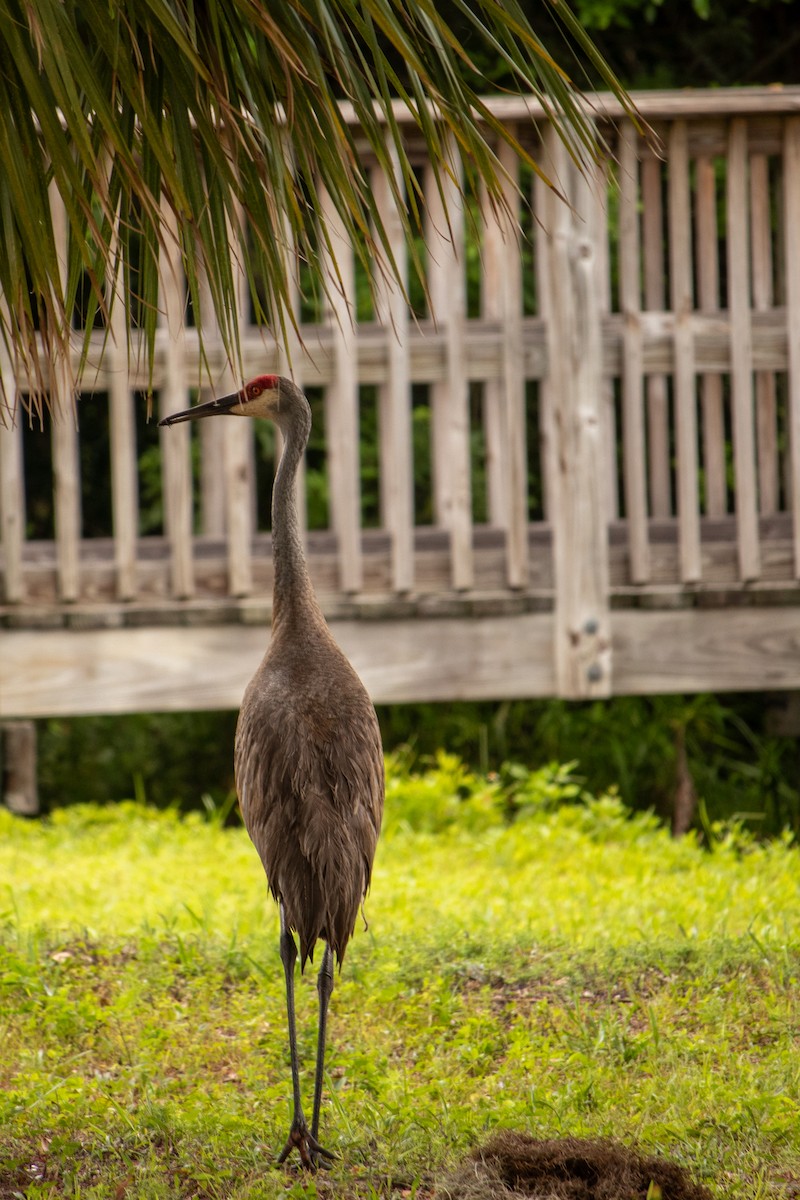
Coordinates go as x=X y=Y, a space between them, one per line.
x=254 y=390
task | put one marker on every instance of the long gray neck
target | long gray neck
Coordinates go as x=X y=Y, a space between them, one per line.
x=292 y=594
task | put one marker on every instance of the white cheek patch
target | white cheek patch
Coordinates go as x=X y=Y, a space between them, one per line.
x=265 y=406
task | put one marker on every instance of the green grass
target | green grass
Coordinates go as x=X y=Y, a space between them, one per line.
x=572 y=971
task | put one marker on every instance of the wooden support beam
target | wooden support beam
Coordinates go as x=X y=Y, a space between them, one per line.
x=452 y=475
x=20 y=793
x=174 y=396
x=633 y=423
x=579 y=518
x=504 y=398
x=791 y=236
x=395 y=418
x=681 y=296
x=342 y=399
x=742 y=392
x=403 y=660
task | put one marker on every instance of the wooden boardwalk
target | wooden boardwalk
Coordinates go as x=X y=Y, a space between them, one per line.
x=584 y=451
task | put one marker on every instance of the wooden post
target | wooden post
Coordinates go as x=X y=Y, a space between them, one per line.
x=504 y=398
x=791 y=233
x=711 y=396
x=174 y=396
x=577 y=467
x=394 y=397
x=444 y=238
x=742 y=393
x=682 y=294
x=653 y=234
x=66 y=453
x=122 y=433
x=633 y=426
x=12 y=490
x=341 y=399
x=20 y=793
x=236 y=446
x=763 y=300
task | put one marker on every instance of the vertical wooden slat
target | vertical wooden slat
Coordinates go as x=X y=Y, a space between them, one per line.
x=12 y=485
x=122 y=437
x=504 y=398
x=211 y=435
x=543 y=270
x=711 y=398
x=394 y=396
x=290 y=359
x=791 y=241
x=632 y=357
x=236 y=447
x=681 y=297
x=66 y=452
x=341 y=400
x=744 y=449
x=174 y=396
x=579 y=521
x=766 y=392
x=659 y=485
x=444 y=236
x=602 y=238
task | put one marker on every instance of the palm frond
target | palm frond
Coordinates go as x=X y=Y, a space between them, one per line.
x=128 y=108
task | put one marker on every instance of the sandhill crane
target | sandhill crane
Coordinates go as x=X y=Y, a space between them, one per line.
x=308 y=758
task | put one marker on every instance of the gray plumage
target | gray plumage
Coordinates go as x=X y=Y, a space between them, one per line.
x=308 y=756
x=309 y=775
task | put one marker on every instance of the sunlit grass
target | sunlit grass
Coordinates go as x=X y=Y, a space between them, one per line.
x=575 y=971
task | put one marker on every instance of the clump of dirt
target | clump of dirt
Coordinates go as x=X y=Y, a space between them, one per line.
x=515 y=1166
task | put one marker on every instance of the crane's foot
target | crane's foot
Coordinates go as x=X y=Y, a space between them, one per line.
x=312 y=1155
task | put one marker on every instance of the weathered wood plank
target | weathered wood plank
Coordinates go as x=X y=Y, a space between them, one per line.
x=602 y=236
x=341 y=399
x=60 y=672
x=681 y=294
x=56 y=672
x=653 y=235
x=394 y=396
x=763 y=298
x=294 y=362
x=174 y=396
x=233 y=453
x=791 y=238
x=711 y=390
x=20 y=792
x=122 y=445
x=634 y=449
x=64 y=437
x=693 y=650
x=582 y=643
x=444 y=239
x=504 y=399
x=12 y=486
x=543 y=271
x=744 y=447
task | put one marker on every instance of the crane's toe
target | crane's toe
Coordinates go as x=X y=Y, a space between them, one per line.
x=312 y=1155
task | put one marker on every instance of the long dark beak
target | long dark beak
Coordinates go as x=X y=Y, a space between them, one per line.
x=223 y=404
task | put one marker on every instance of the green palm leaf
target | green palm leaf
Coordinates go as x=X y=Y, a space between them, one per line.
x=229 y=112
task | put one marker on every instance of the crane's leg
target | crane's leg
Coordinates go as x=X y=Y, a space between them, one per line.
x=324 y=989
x=312 y=1155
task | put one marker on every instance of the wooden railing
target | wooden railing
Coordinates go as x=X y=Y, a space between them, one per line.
x=607 y=393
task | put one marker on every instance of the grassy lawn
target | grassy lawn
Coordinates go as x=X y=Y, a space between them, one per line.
x=572 y=973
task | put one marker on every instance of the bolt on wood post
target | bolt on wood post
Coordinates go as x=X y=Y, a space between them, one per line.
x=20 y=793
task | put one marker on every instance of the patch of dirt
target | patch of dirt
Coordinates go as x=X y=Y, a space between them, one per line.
x=513 y=1166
